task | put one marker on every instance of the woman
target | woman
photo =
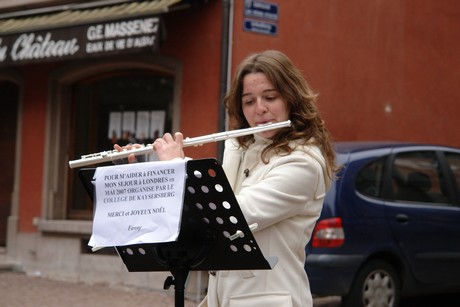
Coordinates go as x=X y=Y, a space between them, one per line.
x=279 y=177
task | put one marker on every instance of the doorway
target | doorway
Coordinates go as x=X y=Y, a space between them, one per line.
x=9 y=93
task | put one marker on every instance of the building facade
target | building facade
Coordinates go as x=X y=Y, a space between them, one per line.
x=78 y=76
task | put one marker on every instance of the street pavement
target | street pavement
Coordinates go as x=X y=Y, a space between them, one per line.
x=21 y=290
x=18 y=289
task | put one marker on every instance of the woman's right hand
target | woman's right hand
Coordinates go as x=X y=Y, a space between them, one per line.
x=168 y=148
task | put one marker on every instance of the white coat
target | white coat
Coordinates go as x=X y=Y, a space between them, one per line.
x=284 y=197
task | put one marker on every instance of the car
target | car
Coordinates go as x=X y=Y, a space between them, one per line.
x=390 y=225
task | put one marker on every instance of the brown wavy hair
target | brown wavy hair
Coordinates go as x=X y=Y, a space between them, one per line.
x=307 y=124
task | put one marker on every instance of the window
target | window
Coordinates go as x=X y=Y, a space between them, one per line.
x=369 y=179
x=454 y=164
x=417 y=177
x=124 y=107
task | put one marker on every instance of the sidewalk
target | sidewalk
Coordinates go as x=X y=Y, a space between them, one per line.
x=20 y=290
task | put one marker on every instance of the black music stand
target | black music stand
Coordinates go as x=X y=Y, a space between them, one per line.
x=214 y=234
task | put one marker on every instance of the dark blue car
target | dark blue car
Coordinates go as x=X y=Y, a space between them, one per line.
x=390 y=226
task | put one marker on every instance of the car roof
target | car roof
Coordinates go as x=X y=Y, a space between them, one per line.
x=351 y=147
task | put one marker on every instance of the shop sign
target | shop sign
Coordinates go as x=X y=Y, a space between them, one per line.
x=99 y=39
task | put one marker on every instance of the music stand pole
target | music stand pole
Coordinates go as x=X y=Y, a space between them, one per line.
x=180 y=276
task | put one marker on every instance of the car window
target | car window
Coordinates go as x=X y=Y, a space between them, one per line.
x=417 y=177
x=369 y=179
x=454 y=163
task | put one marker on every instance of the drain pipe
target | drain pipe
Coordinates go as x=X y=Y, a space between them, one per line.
x=225 y=68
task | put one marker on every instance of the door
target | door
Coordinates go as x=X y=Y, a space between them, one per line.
x=9 y=93
x=424 y=218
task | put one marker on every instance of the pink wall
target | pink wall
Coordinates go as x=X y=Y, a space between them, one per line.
x=32 y=140
x=194 y=37
x=365 y=57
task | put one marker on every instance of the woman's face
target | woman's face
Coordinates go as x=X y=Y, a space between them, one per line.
x=262 y=104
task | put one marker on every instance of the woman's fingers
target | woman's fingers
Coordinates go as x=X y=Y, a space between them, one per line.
x=169 y=147
x=179 y=138
x=131 y=157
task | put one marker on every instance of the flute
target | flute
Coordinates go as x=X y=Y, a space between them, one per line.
x=111 y=155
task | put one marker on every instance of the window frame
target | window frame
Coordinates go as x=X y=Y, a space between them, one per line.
x=91 y=114
x=57 y=172
x=386 y=192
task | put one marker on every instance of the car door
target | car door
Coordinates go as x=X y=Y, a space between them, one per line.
x=423 y=217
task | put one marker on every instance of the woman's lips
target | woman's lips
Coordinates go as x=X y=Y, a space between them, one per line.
x=264 y=123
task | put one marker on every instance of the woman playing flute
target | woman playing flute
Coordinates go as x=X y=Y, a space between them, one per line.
x=280 y=178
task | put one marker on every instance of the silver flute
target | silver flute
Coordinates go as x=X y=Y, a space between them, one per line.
x=107 y=156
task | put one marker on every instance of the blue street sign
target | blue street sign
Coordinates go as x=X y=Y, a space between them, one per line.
x=261 y=9
x=259 y=26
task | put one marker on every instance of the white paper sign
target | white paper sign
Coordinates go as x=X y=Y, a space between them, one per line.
x=138 y=203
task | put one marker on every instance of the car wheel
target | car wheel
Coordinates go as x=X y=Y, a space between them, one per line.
x=376 y=284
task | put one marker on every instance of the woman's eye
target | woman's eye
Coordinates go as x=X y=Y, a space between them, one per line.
x=247 y=102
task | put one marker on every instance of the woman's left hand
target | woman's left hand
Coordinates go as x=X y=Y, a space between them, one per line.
x=131 y=157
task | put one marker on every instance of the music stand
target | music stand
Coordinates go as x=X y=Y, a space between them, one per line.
x=213 y=236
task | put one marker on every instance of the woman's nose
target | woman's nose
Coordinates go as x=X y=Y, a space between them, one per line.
x=261 y=107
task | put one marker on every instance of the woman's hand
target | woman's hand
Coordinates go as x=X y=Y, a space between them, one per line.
x=168 y=148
